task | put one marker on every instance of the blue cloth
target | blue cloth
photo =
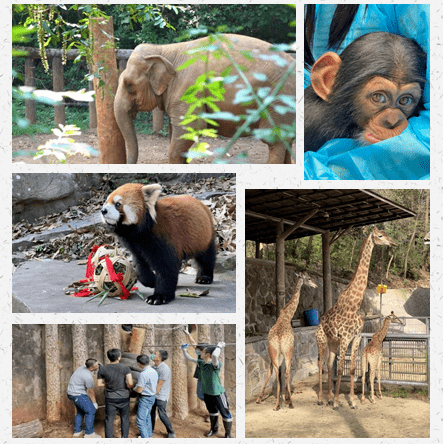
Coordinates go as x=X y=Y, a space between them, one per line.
x=85 y=410
x=144 y=422
x=405 y=157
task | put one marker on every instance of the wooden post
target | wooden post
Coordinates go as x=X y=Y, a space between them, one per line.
x=79 y=345
x=111 y=338
x=30 y=81
x=53 y=390
x=58 y=85
x=327 y=286
x=280 y=268
x=180 y=407
x=110 y=140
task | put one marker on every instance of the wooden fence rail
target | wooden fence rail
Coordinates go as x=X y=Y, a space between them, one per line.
x=55 y=56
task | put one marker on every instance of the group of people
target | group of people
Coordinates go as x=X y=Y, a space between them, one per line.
x=152 y=387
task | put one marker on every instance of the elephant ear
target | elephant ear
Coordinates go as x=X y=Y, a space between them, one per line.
x=161 y=73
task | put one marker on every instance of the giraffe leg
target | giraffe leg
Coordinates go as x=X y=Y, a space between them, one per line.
x=354 y=349
x=341 y=363
x=321 y=344
x=274 y=357
x=372 y=365
x=277 y=404
x=288 y=361
x=380 y=359
x=260 y=396
x=332 y=345
x=363 y=376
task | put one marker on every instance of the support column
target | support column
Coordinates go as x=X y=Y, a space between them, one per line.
x=149 y=344
x=180 y=408
x=52 y=353
x=111 y=338
x=79 y=345
x=327 y=285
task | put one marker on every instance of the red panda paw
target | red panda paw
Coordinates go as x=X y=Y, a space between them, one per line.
x=159 y=299
x=205 y=280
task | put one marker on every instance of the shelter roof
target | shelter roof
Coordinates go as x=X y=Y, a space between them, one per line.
x=336 y=210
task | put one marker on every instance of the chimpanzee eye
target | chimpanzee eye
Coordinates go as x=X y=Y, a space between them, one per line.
x=406 y=101
x=379 y=98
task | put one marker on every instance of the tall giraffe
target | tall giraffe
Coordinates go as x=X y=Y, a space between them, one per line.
x=281 y=342
x=373 y=355
x=342 y=324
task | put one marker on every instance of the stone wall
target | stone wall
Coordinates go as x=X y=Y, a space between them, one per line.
x=29 y=365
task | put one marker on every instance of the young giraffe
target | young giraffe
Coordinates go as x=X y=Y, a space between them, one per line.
x=281 y=342
x=373 y=355
x=342 y=324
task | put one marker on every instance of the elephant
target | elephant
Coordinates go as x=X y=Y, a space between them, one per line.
x=151 y=80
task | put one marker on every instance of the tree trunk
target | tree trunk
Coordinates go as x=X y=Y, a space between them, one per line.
x=110 y=140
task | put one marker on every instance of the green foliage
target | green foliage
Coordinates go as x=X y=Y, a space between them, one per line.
x=208 y=89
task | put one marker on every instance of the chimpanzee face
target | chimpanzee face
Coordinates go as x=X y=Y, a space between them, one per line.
x=383 y=108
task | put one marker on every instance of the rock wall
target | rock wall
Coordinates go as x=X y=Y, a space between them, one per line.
x=39 y=194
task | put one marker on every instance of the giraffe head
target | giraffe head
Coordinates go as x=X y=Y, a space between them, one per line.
x=394 y=318
x=379 y=237
x=304 y=279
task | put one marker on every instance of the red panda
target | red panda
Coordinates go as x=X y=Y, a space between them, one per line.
x=160 y=233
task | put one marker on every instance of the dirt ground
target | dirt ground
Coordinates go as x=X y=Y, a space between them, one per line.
x=194 y=426
x=153 y=149
x=388 y=418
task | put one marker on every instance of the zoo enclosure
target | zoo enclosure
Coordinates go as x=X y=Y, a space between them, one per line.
x=405 y=356
x=55 y=55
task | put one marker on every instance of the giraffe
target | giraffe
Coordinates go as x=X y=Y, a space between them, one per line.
x=342 y=324
x=373 y=355
x=281 y=342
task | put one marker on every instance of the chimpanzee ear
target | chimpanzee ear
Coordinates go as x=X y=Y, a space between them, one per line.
x=323 y=73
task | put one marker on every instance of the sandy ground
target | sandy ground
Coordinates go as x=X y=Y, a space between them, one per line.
x=193 y=426
x=387 y=418
x=152 y=149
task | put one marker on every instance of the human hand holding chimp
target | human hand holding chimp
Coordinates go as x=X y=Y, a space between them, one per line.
x=368 y=92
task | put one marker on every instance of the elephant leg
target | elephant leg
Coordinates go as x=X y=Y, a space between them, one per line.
x=278 y=153
x=178 y=149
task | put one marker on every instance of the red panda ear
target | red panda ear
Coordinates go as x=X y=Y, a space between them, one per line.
x=150 y=195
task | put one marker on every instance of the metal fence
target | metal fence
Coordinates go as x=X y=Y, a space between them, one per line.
x=405 y=357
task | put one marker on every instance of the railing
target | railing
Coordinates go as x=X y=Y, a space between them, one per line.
x=405 y=357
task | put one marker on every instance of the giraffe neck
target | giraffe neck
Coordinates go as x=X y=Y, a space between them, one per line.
x=377 y=338
x=289 y=309
x=352 y=297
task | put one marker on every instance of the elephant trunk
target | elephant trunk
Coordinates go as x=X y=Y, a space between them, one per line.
x=125 y=121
